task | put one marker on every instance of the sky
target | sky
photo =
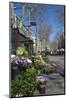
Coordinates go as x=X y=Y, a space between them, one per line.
x=48 y=14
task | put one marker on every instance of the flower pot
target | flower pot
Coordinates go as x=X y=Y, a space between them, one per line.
x=42 y=89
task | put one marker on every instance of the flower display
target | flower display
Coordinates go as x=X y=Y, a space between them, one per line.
x=42 y=78
x=38 y=61
x=21 y=51
x=20 y=60
x=41 y=83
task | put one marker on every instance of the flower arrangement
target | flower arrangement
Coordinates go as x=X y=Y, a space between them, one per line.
x=41 y=83
x=19 y=60
x=21 y=51
x=43 y=79
x=38 y=62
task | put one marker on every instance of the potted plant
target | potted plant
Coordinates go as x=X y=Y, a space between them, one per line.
x=41 y=84
x=38 y=62
x=25 y=84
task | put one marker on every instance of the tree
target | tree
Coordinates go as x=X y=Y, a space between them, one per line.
x=43 y=34
x=60 y=14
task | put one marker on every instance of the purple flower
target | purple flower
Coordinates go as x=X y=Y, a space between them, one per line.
x=45 y=78
x=20 y=60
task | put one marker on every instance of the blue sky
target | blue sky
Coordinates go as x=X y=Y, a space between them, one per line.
x=49 y=17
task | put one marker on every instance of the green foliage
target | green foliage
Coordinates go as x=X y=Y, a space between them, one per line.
x=15 y=88
x=38 y=62
x=46 y=59
x=39 y=66
x=29 y=81
x=25 y=83
x=25 y=53
x=21 y=51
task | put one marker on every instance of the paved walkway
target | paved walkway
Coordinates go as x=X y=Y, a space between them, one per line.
x=55 y=84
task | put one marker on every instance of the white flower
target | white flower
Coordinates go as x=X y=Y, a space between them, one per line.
x=29 y=61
